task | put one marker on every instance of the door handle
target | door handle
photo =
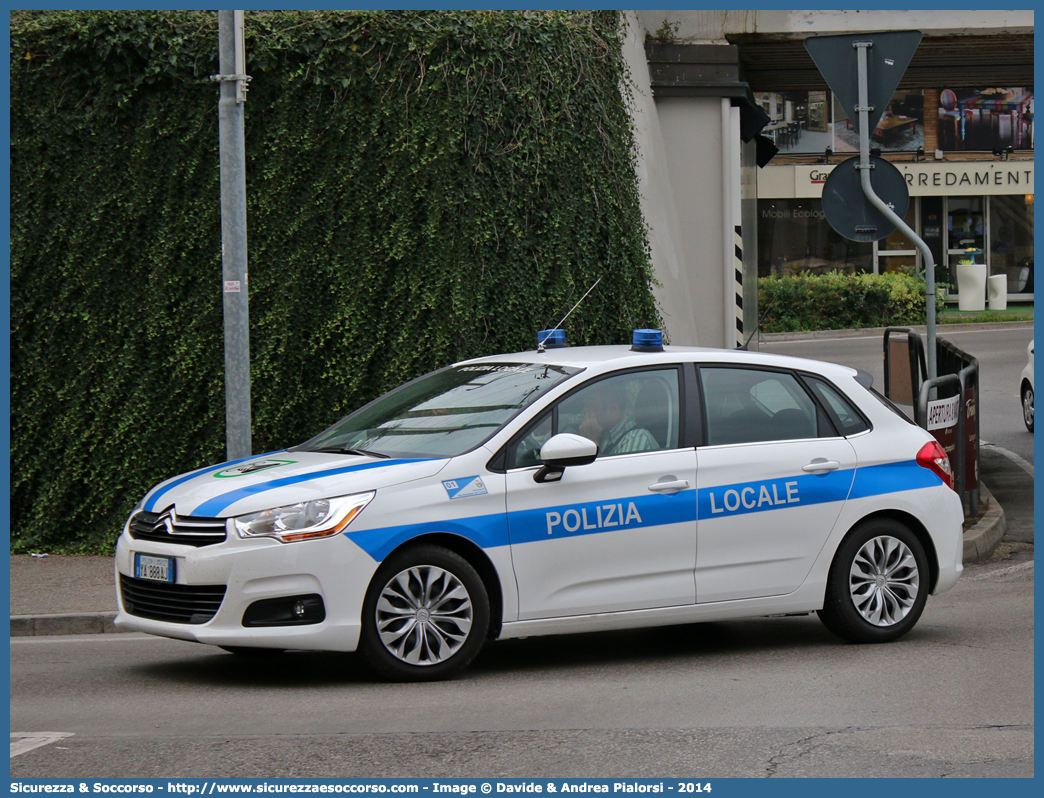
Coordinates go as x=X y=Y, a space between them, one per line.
x=821 y=465
x=669 y=487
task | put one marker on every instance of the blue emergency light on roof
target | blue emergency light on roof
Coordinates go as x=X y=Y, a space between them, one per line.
x=647 y=341
x=551 y=339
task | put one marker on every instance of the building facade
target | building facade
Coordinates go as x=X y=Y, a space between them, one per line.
x=959 y=127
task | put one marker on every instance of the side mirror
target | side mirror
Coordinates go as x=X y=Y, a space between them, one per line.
x=561 y=451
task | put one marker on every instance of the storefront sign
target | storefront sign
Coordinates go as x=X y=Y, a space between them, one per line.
x=924 y=179
x=1006 y=177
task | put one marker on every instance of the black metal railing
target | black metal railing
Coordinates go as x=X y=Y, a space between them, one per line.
x=906 y=382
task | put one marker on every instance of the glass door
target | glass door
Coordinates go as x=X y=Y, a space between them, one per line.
x=896 y=252
x=966 y=233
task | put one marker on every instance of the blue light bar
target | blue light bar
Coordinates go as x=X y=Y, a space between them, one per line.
x=647 y=341
x=551 y=339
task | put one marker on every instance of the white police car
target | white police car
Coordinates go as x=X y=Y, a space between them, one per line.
x=555 y=491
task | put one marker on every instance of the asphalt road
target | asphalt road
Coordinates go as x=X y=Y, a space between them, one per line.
x=762 y=698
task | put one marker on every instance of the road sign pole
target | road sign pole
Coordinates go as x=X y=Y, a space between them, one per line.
x=863 y=109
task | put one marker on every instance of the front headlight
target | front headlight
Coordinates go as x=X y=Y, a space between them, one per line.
x=320 y=518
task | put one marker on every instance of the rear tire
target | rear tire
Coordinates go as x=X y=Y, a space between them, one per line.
x=425 y=617
x=1027 y=407
x=878 y=583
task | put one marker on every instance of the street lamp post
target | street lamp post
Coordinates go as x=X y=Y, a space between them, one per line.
x=233 y=80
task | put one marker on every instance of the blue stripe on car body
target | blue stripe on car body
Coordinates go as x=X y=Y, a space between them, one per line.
x=486 y=531
x=892 y=478
x=635 y=512
x=150 y=501
x=213 y=506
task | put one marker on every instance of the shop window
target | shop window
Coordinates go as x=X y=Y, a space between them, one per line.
x=794 y=237
x=1011 y=240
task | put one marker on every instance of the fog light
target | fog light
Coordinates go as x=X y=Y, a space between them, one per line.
x=287 y=611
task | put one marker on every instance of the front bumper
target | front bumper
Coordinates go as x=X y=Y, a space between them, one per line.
x=253 y=570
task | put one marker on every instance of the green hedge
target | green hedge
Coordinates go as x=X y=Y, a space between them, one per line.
x=422 y=187
x=837 y=301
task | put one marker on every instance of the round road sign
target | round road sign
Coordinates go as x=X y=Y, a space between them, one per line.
x=847 y=208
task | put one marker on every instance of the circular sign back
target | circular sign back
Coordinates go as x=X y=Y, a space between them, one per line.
x=847 y=208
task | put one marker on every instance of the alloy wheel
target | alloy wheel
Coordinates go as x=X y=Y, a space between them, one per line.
x=424 y=615
x=884 y=581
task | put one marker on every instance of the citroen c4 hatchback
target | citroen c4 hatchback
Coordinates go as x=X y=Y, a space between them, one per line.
x=554 y=491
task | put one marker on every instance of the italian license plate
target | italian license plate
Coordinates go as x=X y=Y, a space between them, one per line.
x=158 y=569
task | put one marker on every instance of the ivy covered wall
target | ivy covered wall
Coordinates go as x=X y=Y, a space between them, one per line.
x=422 y=187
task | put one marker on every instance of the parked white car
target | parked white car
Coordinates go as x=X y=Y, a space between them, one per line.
x=1026 y=389
x=556 y=491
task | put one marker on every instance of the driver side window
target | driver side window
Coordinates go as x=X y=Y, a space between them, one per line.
x=623 y=414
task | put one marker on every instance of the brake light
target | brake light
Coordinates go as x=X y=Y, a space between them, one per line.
x=935 y=460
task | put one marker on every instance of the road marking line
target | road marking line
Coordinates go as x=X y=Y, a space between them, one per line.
x=1025 y=465
x=21 y=742
x=1011 y=569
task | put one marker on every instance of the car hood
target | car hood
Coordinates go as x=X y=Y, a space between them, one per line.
x=279 y=478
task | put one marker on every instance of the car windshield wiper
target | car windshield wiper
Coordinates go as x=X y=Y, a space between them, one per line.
x=350 y=450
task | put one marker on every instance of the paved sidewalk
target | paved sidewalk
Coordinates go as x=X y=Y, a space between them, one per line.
x=71 y=595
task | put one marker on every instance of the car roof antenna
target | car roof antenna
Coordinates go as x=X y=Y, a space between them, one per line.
x=540 y=346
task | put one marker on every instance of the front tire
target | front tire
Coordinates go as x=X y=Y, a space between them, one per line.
x=425 y=617
x=878 y=584
x=1027 y=407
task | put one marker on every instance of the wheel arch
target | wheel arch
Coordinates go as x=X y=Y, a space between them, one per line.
x=478 y=559
x=1023 y=385
x=912 y=523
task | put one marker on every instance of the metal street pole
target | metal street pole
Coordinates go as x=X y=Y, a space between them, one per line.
x=232 y=63
x=864 y=178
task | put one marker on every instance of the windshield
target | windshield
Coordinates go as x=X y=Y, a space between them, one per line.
x=442 y=414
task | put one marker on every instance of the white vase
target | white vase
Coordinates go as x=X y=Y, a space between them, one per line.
x=971 y=286
x=998 y=285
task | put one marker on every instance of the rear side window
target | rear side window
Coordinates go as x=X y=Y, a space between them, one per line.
x=749 y=405
x=845 y=417
x=891 y=406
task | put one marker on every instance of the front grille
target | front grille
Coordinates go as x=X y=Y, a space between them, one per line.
x=168 y=527
x=162 y=601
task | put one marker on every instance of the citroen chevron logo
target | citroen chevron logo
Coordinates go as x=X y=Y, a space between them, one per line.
x=165 y=523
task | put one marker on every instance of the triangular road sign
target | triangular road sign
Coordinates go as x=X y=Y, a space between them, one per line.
x=886 y=61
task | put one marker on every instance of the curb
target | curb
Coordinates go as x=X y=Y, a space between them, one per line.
x=983 y=537
x=876 y=332
x=980 y=541
x=86 y=623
